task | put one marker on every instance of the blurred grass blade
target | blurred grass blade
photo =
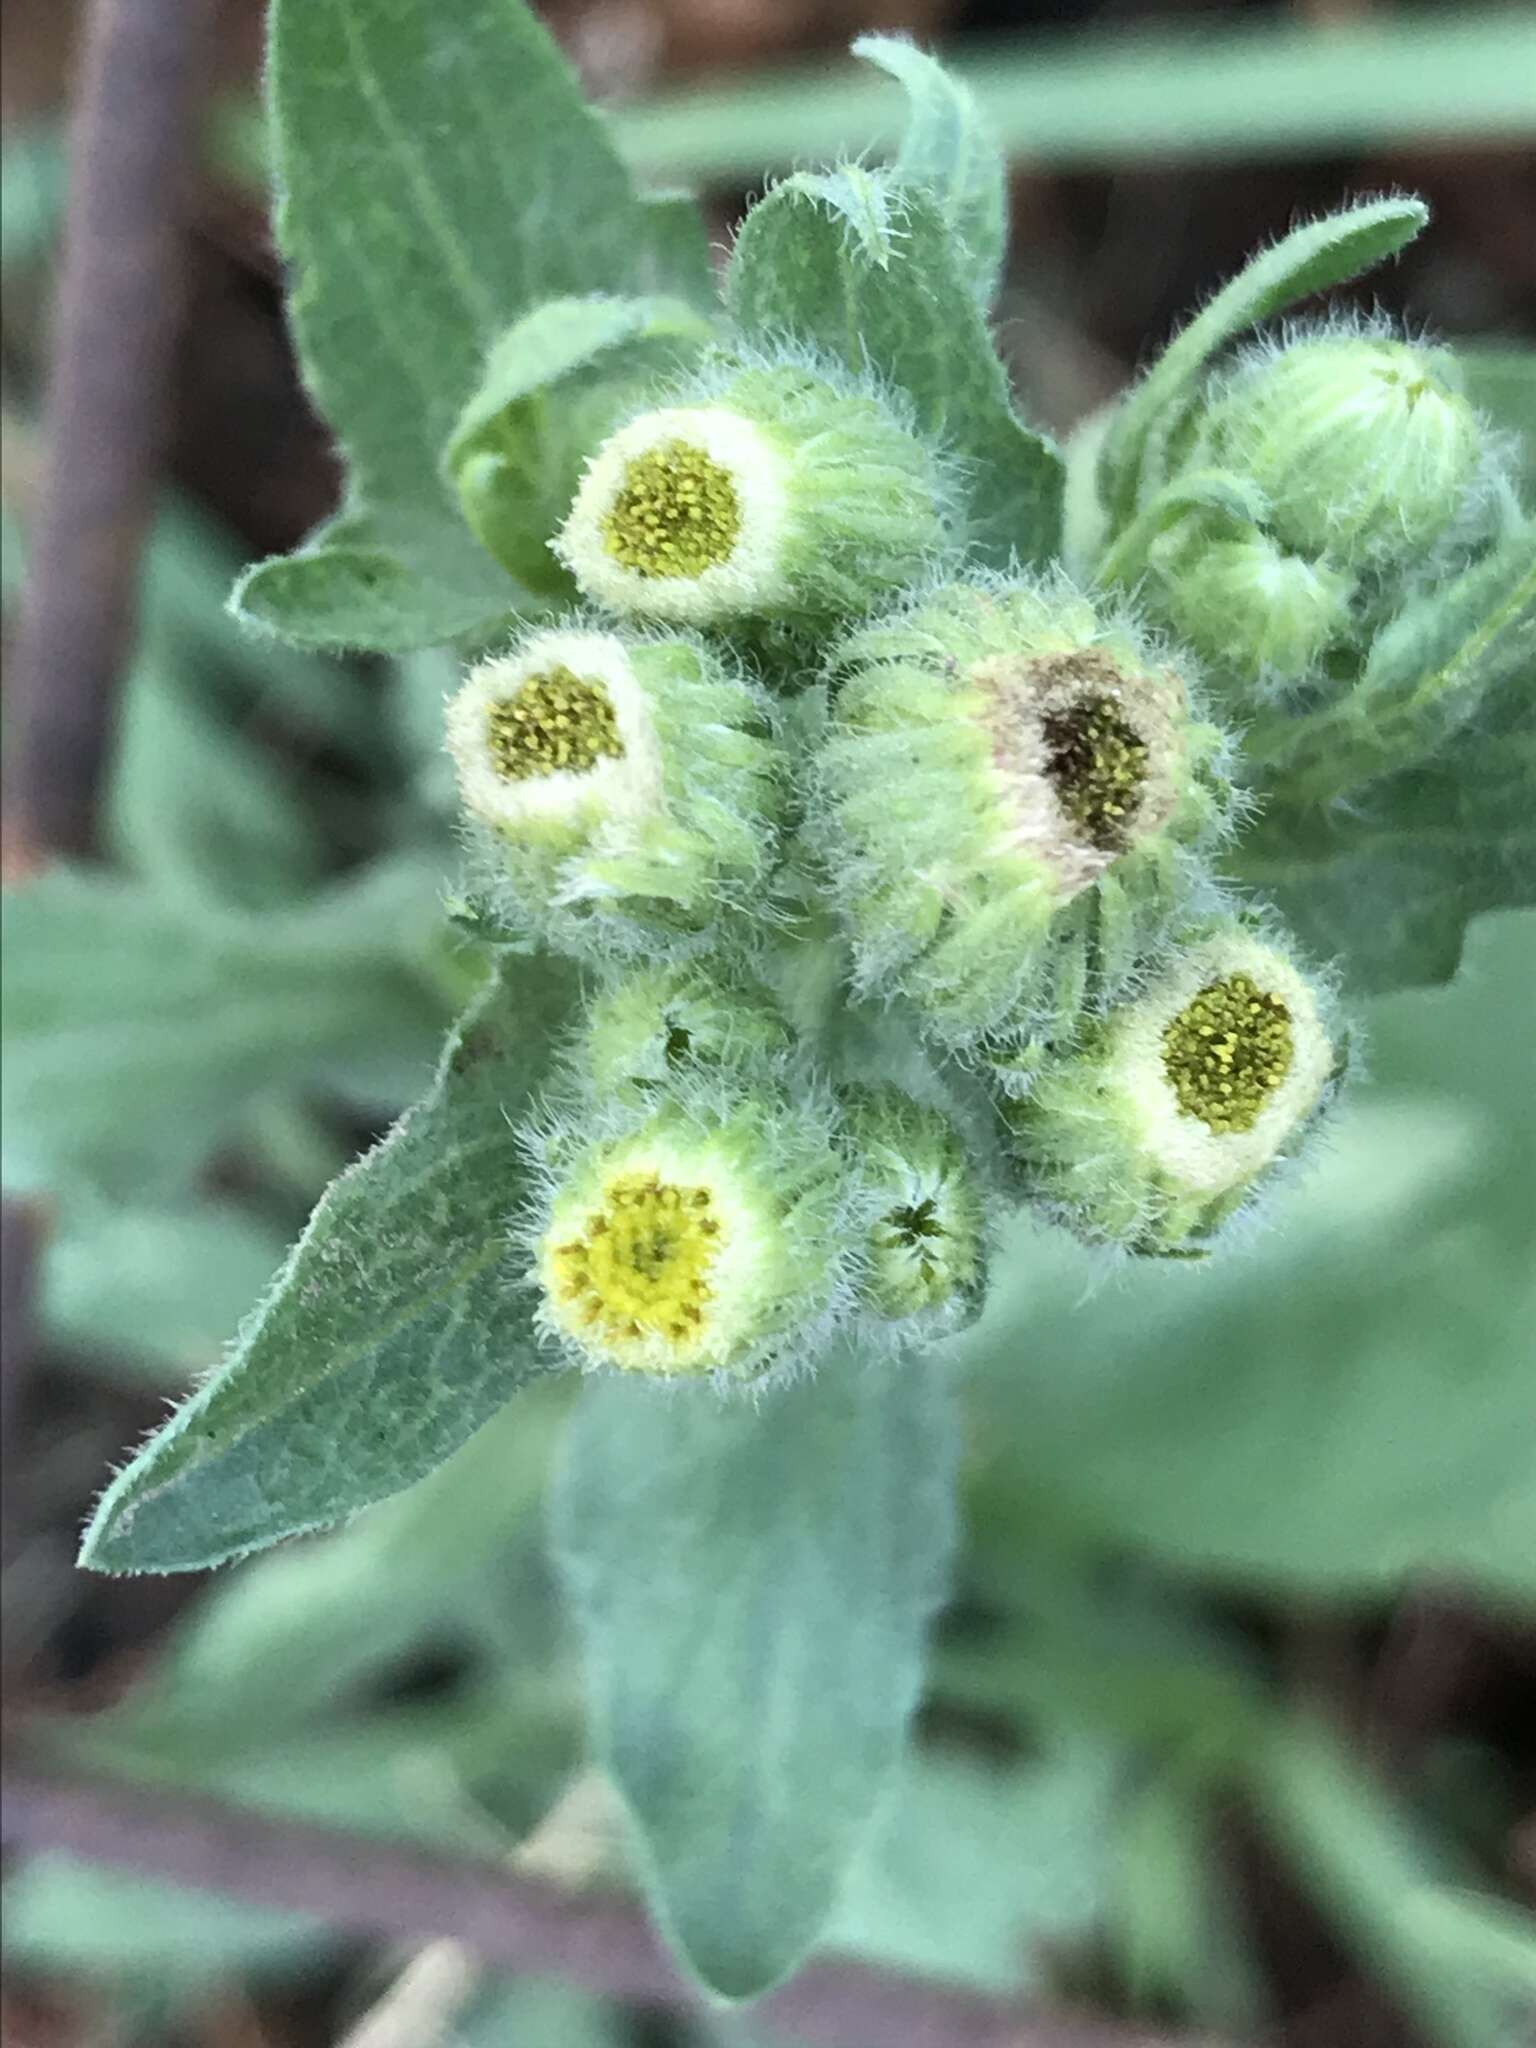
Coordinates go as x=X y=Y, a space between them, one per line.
x=1100 y=98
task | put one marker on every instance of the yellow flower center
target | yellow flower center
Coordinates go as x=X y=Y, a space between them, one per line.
x=676 y=514
x=641 y=1268
x=559 y=721
x=1227 y=1051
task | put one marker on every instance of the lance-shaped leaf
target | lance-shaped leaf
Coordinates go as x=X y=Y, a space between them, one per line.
x=394 y=1330
x=440 y=173
x=950 y=149
x=872 y=272
x=752 y=1582
x=1310 y=259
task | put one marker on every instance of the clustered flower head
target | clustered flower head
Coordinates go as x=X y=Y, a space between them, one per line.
x=897 y=880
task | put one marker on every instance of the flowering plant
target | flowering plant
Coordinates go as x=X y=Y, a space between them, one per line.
x=879 y=826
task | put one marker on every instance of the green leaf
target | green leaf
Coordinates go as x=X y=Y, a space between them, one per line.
x=1387 y=882
x=188 y=569
x=1362 y=1369
x=346 y=589
x=950 y=149
x=1387 y=886
x=873 y=274
x=1466 y=644
x=138 y=1028
x=438 y=177
x=1461 y=1963
x=395 y=1329
x=553 y=388
x=160 y=1289
x=530 y=2013
x=752 y=1583
x=1310 y=259
x=198 y=806
x=972 y=1870
x=453 y=1564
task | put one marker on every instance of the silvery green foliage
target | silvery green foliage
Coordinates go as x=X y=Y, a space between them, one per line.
x=719 y=1153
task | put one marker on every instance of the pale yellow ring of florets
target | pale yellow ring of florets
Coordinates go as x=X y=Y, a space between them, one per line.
x=1198 y=1159
x=747 y=1250
x=624 y=787
x=751 y=577
x=1037 y=822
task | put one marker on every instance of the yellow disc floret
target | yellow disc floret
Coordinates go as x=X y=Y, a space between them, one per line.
x=640 y=1267
x=559 y=721
x=677 y=513
x=1097 y=761
x=1227 y=1052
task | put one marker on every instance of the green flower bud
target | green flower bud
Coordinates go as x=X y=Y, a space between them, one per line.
x=652 y=1028
x=1012 y=782
x=758 y=492
x=1365 y=447
x=924 y=1247
x=709 y=1238
x=627 y=787
x=1158 y=1127
x=1248 y=607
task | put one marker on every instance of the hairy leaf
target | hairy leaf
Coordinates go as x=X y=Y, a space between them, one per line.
x=874 y=274
x=752 y=1585
x=1310 y=259
x=454 y=1564
x=394 y=1330
x=949 y=148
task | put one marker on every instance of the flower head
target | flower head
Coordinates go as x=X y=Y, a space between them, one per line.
x=625 y=787
x=708 y=1238
x=1364 y=446
x=653 y=1027
x=762 y=491
x=1010 y=779
x=1157 y=1128
x=924 y=1250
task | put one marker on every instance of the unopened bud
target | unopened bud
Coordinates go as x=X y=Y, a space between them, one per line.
x=1364 y=447
x=925 y=1241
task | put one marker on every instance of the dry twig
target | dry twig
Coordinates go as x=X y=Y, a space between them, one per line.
x=513 y=1921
